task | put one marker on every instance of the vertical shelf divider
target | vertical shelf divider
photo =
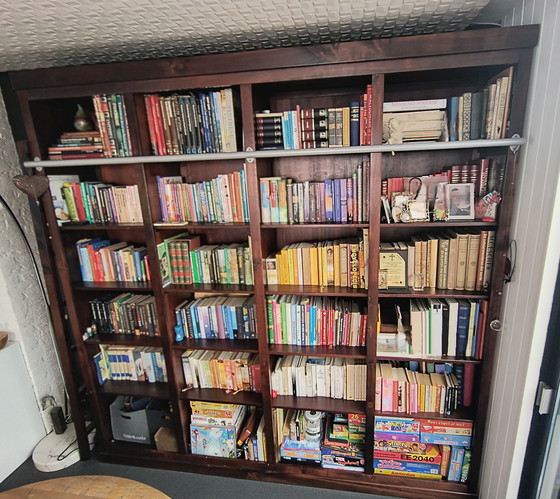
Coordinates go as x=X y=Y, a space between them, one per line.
x=373 y=267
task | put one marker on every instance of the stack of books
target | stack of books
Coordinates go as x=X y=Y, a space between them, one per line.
x=403 y=390
x=174 y=258
x=192 y=124
x=340 y=200
x=77 y=145
x=146 y=364
x=310 y=128
x=407 y=121
x=223 y=199
x=331 y=377
x=325 y=263
x=237 y=371
x=104 y=261
x=126 y=313
x=483 y=114
x=217 y=317
x=112 y=123
x=315 y=321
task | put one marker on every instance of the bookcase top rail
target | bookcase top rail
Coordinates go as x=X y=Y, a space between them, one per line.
x=248 y=155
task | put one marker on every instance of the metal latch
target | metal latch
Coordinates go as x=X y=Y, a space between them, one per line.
x=544 y=398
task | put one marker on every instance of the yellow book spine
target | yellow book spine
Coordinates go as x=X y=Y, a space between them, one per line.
x=314 y=265
x=336 y=264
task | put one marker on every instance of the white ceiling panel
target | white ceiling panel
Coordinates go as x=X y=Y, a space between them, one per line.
x=48 y=33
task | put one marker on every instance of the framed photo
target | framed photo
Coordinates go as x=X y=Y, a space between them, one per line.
x=460 y=201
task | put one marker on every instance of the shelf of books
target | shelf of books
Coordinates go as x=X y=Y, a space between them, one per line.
x=295 y=269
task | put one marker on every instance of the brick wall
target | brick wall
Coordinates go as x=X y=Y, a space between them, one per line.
x=23 y=312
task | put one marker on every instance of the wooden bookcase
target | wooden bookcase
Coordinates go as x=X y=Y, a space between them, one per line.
x=431 y=66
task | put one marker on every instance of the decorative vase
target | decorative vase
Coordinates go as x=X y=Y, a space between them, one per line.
x=82 y=122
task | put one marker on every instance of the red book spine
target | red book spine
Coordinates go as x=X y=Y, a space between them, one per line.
x=79 y=202
x=158 y=125
x=151 y=126
x=468 y=384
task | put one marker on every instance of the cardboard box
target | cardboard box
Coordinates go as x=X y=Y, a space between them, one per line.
x=138 y=426
x=165 y=439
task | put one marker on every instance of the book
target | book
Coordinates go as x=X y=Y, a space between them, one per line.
x=56 y=188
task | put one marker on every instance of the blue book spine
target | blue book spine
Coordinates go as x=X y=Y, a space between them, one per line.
x=336 y=200
x=453 y=117
x=456 y=464
x=329 y=200
x=462 y=328
x=354 y=123
x=312 y=318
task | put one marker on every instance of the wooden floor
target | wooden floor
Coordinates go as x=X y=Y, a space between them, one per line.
x=95 y=486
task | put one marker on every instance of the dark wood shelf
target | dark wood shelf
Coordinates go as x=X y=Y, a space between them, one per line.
x=135 y=388
x=437 y=225
x=431 y=293
x=199 y=225
x=401 y=69
x=79 y=226
x=321 y=351
x=112 y=286
x=287 y=289
x=225 y=345
x=324 y=404
x=222 y=396
x=230 y=289
x=417 y=358
x=318 y=225
x=135 y=340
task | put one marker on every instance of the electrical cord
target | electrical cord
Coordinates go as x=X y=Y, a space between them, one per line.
x=29 y=249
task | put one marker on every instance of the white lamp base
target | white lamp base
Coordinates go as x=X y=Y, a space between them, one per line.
x=56 y=452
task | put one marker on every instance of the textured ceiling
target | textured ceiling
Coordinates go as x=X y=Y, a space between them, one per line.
x=47 y=33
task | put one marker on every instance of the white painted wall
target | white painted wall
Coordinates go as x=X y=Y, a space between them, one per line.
x=23 y=313
x=21 y=426
x=528 y=297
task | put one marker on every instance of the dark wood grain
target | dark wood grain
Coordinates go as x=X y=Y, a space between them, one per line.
x=429 y=66
x=224 y=345
x=222 y=396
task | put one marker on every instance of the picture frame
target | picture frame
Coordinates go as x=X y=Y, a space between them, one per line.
x=460 y=201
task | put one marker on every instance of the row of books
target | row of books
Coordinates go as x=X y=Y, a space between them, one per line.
x=447 y=327
x=455 y=260
x=332 y=377
x=97 y=202
x=406 y=391
x=192 y=124
x=310 y=128
x=117 y=363
x=422 y=448
x=174 y=258
x=221 y=370
x=110 y=112
x=222 y=264
x=341 y=262
x=77 y=145
x=227 y=430
x=223 y=199
x=483 y=114
x=412 y=126
x=126 y=313
x=104 y=261
x=340 y=200
x=315 y=321
x=216 y=317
